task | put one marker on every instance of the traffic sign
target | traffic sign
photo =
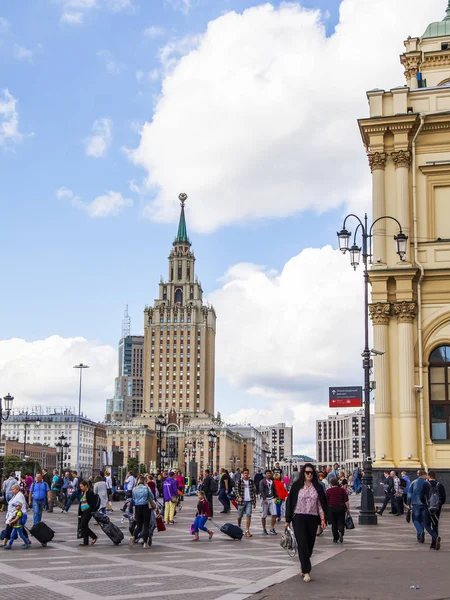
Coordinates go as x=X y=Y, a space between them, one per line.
x=345 y=397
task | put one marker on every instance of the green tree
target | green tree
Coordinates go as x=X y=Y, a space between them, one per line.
x=133 y=465
x=15 y=463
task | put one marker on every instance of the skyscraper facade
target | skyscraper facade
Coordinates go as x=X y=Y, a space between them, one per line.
x=179 y=339
x=129 y=384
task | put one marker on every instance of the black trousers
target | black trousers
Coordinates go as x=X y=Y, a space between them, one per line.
x=305 y=529
x=86 y=533
x=434 y=517
x=389 y=497
x=337 y=520
x=142 y=516
x=209 y=498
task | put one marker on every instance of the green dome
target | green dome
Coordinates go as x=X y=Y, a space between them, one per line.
x=440 y=28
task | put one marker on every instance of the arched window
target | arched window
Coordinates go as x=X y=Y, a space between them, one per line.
x=439 y=376
x=178 y=296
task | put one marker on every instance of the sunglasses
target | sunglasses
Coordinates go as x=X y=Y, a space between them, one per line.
x=309 y=472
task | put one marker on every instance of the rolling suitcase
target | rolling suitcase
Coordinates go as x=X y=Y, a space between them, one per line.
x=232 y=531
x=113 y=532
x=42 y=533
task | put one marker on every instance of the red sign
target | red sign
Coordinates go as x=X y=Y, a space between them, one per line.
x=345 y=397
x=349 y=403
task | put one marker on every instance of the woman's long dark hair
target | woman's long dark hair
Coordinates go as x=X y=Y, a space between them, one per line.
x=314 y=479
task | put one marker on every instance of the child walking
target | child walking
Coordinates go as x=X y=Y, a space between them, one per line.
x=203 y=514
x=17 y=523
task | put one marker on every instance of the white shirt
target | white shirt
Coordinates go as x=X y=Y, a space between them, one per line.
x=19 y=497
x=131 y=482
x=246 y=491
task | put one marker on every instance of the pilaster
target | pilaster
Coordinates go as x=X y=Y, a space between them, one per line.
x=380 y=313
x=402 y=162
x=406 y=312
x=377 y=163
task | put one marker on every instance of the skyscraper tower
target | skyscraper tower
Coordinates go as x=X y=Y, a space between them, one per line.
x=179 y=338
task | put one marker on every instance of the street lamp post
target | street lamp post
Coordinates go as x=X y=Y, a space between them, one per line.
x=212 y=440
x=61 y=447
x=81 y=366
x=367 y=515
x=163 y=458
x=5 y=411
x=160 y=425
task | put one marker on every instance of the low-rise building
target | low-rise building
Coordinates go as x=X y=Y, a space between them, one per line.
x=42 y=454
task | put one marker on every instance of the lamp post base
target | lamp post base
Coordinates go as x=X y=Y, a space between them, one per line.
x=367 y=514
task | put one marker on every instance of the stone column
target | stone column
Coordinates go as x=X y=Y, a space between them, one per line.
x=377 y=163
x=402 y=161
x=407 y=432
x=380 y=314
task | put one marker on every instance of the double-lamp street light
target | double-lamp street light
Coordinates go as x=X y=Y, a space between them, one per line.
x=61 y=449
x=367 y=515
x=212 y=441
x=5 y=411
x=160 y=426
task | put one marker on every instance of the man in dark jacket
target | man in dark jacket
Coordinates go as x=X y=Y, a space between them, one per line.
x=257 y=479
x=436 y=514
x=268 y=494
x=389 y=494
x=208 y=485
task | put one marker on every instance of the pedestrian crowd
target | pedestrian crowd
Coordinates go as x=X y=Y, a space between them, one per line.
x=307 y=502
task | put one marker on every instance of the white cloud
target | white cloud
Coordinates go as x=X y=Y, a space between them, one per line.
x=284 y=338
x=118 y=5
x=9 y=119
x=42 y=373
x=110 y=204
x=4 y=26
x=183 y=6
x=266 y=107
x=154 y=31
x=111 y=64
x=74 y=11
x=151 y=76
x=22 y=53
x=98 y=143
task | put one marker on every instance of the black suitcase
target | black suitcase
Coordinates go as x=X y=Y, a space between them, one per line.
x=116 y=497
x=232 y=531
x=101 y=518
x=113 y=532
x=42 y=533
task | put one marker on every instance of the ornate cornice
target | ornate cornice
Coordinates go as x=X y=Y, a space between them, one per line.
x=377 y=160
x=411 y=62
x=380 y=313
x=402 y=158
x=405 y=311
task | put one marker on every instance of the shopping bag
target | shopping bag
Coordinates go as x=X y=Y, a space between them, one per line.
x=349 y=524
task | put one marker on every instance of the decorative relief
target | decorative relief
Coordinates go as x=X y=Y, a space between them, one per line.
x=411 y=62
x=402 y=158
x=405 y=311
x=377 y=160
x=380 y=313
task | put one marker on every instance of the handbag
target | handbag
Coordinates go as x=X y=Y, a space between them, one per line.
x=192 y=530
x=349 y=524
x=408 y=515
x=160 y=523
x=174 y=498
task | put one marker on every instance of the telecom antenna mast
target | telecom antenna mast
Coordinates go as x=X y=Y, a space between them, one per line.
x=126 y=323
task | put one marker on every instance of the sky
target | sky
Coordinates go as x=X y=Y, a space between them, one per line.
x=110 y=108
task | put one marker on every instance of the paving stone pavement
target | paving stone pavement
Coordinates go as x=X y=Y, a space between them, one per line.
x=176 y=567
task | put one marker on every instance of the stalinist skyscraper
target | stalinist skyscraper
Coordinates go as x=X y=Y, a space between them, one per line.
x=179 y=338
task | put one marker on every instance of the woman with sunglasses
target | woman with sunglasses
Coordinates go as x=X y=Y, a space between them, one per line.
x=306 y=507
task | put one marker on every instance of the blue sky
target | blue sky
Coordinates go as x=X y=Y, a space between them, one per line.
x=58 y=261
x=79 y=68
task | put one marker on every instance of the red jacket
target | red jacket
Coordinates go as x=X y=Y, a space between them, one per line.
x=281 y=490
x=204 y=511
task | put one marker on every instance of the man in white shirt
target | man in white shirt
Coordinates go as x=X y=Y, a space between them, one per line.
x=131 y=482
x=246 y=498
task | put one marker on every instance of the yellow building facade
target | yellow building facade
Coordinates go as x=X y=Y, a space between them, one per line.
x=407 y=137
